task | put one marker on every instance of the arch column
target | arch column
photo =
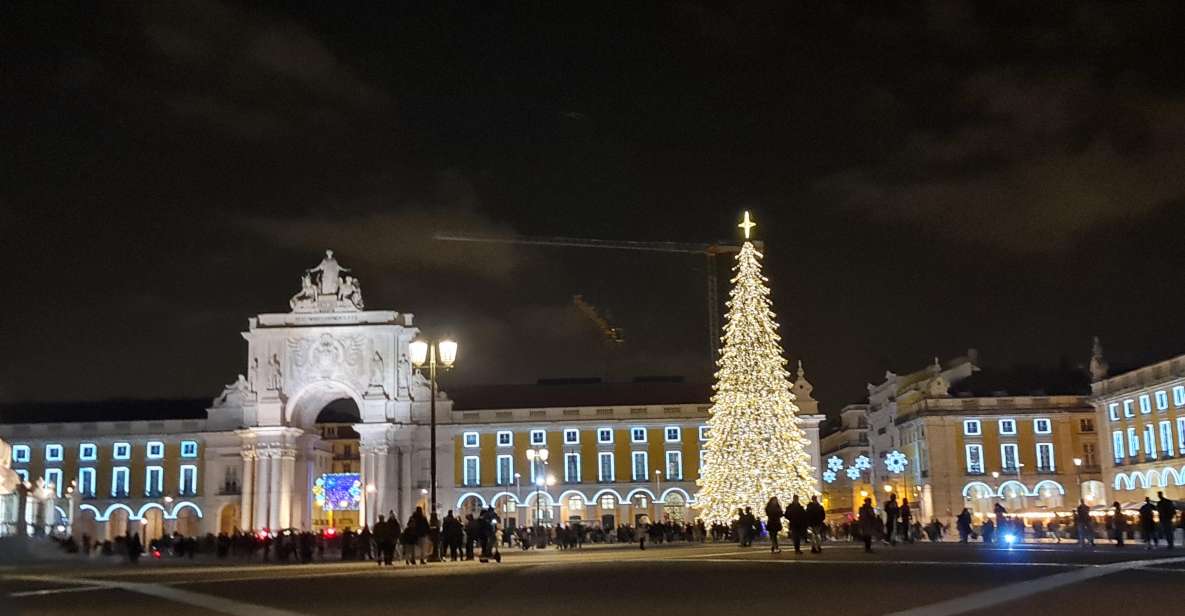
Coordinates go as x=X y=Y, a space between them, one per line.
x=247 y=495
x=374 y=445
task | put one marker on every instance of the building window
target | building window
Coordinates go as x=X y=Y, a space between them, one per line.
x=154 y=480
x=974 y=459
x=155 y=450
x=972 y=427
x=1145 y=404
x=1133 y=442
x=1042 y=425
x=675 y=465
x=86 y=482
x=638 y=435
x=538 y=437
x=1166 y=438
x=121 y=451
x=1149 y=442
x=572 y=468
x=189 y=449
x=1179 y=395
x=120 y=481
x=674 y=434
x=640 y=466
x=188 y=483
x=1008 y=457
x=1045 y=462
x=505 y=438
x=1113 y=411
x=1162 y=400
x=1181 y=435
x=1117 y=445
x=1088 y=454
x=608 y=502
x=53 y=453
x=1007 y=426
x=53 y=476
x=471 y=439
x=505 y=470
x=605 y=468
x=1127 y=408
x=703 y=433
x=88 y=452
x=20 y=453
x=1086 y=425
x=604 y=435
x=571 y=436
x=472 y=468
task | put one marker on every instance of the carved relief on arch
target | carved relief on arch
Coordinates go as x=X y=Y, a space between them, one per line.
x=327 y=357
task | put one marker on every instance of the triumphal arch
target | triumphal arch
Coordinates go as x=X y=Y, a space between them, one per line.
x=329 y=347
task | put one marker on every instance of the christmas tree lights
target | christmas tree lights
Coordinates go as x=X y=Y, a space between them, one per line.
x=756 y=447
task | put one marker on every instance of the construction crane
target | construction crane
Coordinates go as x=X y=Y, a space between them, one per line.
x=613 y=335
x=710 y=251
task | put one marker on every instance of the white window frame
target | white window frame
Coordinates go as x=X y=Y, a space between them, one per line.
x=635 y=456
x=703 y=433
x=1162 y=400
x=1129 y=408
x=1145 y=404
x=116 y=473
x=507 y=478
x=675 y=458
x=1004 y=449
x=634 y=434
x=1117 y=443
x=159 y=472
x=1149 y=442
x=54 y=452
x=571 y=436
x=666 y=432
x=1166 y=438
x=465 y=440
x=54 y=476
x=187 y=487
x=1052 y=467
x=475 y=480
x=569 y=458
x=601 y=434
x=601 y=458
x=189 y=449
x=21 y=453
x=508 y=436
x=1048 y=425
x=122 y=445
x=88 y=452
x=967 y=427
x=973 y=468
x=1007 y=421
x=154 y=450
x=538 y=438
x=1133 y=442
x=87 y=479
x=1179 y=395
x=1113 y=411
x=1181 y=435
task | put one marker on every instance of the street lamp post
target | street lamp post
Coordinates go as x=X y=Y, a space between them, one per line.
x=518 y=488
x=1078 y=477
x=538 y=455
x=421 y=351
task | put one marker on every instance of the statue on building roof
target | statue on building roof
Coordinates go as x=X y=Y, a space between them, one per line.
x=329 y=272
x=324 y=289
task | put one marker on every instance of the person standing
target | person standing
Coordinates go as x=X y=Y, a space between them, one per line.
x=451 y=533
x=1148 y=523
x=1166 y=509
x=1118 y=524
x=906 y=520
x=963 y=522
x=796 y=514
x=892 y=510
x=867 y=519
x=815 y=517
x=1083 y=524
x=773 y=514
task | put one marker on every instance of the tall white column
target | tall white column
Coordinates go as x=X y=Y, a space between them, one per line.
x=275 y=487
x=287 y=471
x=380 y=496
x=261 y=491
x=405 y=485
x=247 y=493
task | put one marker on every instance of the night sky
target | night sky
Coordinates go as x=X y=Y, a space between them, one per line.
x=928 y=177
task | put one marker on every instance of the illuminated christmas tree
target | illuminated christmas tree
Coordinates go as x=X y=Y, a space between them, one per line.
x=756 y=448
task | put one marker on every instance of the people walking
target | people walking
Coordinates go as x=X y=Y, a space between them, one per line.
x=452 y=533
x=773 y=515
x=892 y=511
x=868 y=520
x=796 y=515
x=1083 y=524
x=816 y=516
x=1148 y=523
x=1118 y=524
x=963 y=523
x=906 y=521
x=1166 y=510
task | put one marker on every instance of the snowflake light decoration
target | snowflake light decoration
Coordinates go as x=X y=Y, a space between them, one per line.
x=862 y=463
x=835 y=464
x=829 y=476
x=853 y=473
x=896 y=462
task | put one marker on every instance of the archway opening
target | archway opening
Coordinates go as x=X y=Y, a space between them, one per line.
x=335 y=424
x=188 y=522
x=675 y=509
x=152 y=525
x=228 y=518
